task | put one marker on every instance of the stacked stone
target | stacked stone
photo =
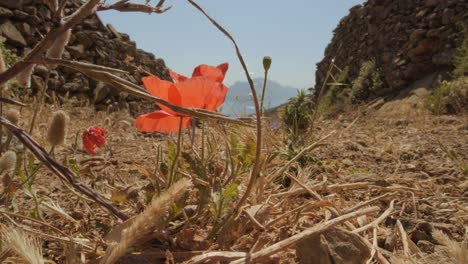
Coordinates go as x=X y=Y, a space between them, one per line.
x=23 y=22
x=408 y=39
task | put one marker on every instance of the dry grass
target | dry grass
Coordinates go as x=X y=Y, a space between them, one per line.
x=27 y=247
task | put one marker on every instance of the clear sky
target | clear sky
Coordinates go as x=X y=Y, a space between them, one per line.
x=294 y=33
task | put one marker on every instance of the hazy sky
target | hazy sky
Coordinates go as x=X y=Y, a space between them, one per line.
x=294 y=33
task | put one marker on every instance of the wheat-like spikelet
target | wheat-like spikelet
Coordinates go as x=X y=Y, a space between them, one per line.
x=7 y=161
x=13 y=116
x=56 y=50
x=2 y=67
x=458 y=251
x=57 y=129
x=24 y=77
x=147 y=221
x=25 y=246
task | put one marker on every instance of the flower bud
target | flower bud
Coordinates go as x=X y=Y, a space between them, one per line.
x=8 y=161
x=57 y=129
x=13 y=116
x=266 y=63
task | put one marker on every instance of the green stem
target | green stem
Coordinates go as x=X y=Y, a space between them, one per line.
x=314 y=116
x=40 y=99
x=263 y=91
x=176 y=158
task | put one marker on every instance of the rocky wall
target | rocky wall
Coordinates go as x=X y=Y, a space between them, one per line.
x=24 y=22
x=408 y=39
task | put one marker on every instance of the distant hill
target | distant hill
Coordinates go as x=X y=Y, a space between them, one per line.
x=239 y=99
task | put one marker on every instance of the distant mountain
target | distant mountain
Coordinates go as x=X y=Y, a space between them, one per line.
x=239 y=98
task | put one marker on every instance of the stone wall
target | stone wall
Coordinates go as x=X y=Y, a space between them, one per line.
x=22 y=22
x=408 y=39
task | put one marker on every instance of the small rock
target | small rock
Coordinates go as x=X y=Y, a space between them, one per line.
x=333 y=246
x=5 y=12
x=20 y=15
x=348 y=162
x=12 y=34
x=426 y=246
x=11 y=3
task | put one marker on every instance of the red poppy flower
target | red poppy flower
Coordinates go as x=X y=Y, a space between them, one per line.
x=203 y=90
x=94 y=137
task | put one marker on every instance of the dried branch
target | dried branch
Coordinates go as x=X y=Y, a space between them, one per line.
x=61 y=171
x=125 y=6
x=377 y=221
x=11 y=101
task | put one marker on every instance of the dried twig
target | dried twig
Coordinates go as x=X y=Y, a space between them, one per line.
x=216 y=257
x=125 y=6
x=11 y=101
x=377 y=221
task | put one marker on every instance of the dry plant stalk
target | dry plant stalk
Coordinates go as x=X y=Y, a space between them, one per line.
x=25 y=246
x=150 y=219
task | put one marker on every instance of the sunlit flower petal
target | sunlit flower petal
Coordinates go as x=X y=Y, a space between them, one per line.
x=160 y=121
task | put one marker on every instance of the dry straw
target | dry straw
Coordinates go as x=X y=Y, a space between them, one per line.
x=458 y=251
x=147 y=221
x=25 y=246
x=57 y=129
x=8 y=161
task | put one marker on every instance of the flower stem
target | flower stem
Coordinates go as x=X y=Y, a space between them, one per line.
x=258 y=148
x=263 y=91
x=176 y=158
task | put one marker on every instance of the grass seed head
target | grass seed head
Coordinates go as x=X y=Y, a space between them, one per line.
x=13 y=116
x=57 y=129
x=8 y=161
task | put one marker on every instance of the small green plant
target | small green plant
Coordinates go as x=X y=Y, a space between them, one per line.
x=9 y=57
x=296 y=114
x=337 y=96
x=450 y=97
x=460 y=61
x=367 y=83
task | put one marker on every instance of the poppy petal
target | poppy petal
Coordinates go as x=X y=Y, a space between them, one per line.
x=164 y=90
x=160 y=121
x=177 y=77
x=216 y=73
x=200 y=92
